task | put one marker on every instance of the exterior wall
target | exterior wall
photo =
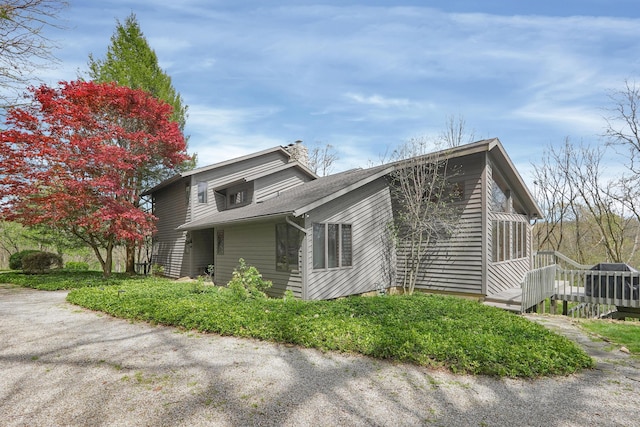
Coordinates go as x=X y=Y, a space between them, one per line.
x=270 y=185
x=256 y=243
x=508 y=274
x=368 y=210
x=201 y=251
x=456 y=265
x=505 y=274
x=226 y=174
x=169 y=248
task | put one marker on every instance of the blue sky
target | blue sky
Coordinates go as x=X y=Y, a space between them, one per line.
x=367 y=76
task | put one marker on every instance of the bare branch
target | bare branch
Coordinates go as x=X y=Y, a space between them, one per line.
x=24 y=46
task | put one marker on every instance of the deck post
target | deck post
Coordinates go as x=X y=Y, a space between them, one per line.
x=553 y=306
x=565 y=308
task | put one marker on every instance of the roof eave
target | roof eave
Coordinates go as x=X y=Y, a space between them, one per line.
x=310 y=206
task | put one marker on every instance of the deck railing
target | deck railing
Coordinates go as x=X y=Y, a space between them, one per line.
x=538 y=285
x=559 y=276
x=546 y=258
x=620 y=288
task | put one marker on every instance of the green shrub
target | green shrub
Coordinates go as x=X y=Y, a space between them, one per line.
x=40 y=262
x=247 y=282
x=76 y=266
x=157 y=270
x=15 y=260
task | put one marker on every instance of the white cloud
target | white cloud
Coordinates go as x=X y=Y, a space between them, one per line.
x=378 y=101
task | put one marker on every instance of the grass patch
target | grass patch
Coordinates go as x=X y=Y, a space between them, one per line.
x=621 y=333
x=61 y=279
x=427 y=330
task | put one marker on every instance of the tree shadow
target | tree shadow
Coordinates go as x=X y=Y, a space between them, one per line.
x=76 y=367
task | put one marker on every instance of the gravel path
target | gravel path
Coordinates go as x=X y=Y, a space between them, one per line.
x=62 y=365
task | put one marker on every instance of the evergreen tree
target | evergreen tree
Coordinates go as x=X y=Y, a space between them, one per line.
x=131 y=62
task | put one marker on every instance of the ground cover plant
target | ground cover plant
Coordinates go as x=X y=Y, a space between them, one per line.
x=427 y=330
x=618 y=332
x=69 y=279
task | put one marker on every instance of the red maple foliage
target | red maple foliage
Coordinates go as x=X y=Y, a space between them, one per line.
x=75 y=159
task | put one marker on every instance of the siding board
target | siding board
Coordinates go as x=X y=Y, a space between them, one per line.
x=368 y=210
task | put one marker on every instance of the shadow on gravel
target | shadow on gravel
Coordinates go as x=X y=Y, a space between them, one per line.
x=63 y=365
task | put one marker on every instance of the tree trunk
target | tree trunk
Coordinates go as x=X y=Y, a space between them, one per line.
x=108 y=261
x=131 y=258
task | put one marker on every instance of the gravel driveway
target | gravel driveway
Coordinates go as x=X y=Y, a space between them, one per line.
x=62 y=365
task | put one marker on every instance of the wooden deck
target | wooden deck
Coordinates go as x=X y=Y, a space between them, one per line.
x=511 y=299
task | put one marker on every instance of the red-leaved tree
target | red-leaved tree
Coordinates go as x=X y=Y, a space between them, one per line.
x=75 y=160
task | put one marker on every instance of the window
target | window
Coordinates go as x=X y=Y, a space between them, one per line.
x=202 y=192
x=238 y=198
x=220 y=245
x=519 y=240
x=508 y=240
x=318 y=246
x=332 y=245
x=500 y=201
x=346 y=245
x=287 y=247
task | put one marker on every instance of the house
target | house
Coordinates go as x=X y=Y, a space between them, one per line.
x=323 y=237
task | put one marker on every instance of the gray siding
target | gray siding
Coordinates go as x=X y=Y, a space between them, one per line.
x=270 y=185
x=227 y=174
x=456 y=265
x=505 y=274
x=201 y=251
x=256 y=243
x=508 y=274
x=369 y=211
x=172 y=210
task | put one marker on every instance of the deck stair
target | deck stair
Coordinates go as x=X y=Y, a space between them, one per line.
x=509 y=299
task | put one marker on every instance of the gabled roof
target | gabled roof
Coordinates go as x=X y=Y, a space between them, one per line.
x=310 y=195
x=295 y=201
x=495 y=149
x=219 y=165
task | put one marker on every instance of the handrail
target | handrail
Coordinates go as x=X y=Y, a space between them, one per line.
x=538 y=285
x=563 y=257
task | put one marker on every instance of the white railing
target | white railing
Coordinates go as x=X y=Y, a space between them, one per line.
x=620 y=288
x=538 y=285
x=546 y=258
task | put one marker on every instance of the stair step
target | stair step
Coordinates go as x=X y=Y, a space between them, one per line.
x=515 y=307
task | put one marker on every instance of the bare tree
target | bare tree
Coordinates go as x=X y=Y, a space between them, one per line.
x=553 y=194
x=598 y=219
x=455 y=132
x=623 y=126
x=24 y=46
x=623 y=131
x=322 y=158
x=425 y=212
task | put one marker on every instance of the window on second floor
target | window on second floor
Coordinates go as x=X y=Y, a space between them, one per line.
x=238 y=196
x=202 y=192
